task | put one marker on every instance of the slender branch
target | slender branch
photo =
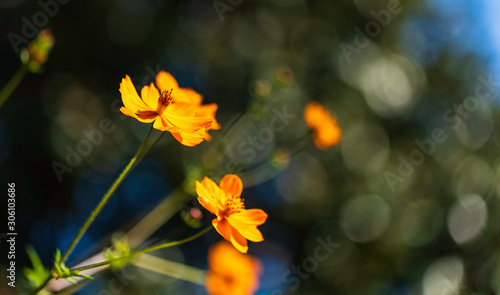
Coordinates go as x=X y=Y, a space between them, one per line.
x=140 y=232
x=156 y=218
x=105 y=199
x=137 y=157
x=144 y=153
x=298 y=143
x=145 y=250
x=40 y=288
x=171 y=269
x=12 y=84
x=149 y=147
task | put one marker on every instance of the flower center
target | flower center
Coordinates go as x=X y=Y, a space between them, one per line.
x=229 y=279
x=234 y=205
x=164 y=100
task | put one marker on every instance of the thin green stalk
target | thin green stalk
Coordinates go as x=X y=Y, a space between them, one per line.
x=145 y=228
x=105 y=199
x=12 y=84
x=145 y=250
x=40 y=288
x=149 y=147
x=135 y=159
x=144 y=153
x=297 y=145
x=171 y=269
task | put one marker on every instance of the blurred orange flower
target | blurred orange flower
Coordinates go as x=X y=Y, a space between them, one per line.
x=165 y=81
x=168 y=114
x=235 y=223
x=230 y=272
x=327 y=132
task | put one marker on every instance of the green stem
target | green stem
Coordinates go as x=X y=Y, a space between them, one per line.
x=131 y=165
x=145 y=250
x=40 y=288
x=149 y=147
x=105 y=199
x=135 y=236
x=171 y=269
x=297 y=145
x=12 y=84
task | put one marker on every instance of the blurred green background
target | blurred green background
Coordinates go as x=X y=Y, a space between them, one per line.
x=409 y=197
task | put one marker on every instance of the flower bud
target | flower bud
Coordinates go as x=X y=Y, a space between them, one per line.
x=38 y=50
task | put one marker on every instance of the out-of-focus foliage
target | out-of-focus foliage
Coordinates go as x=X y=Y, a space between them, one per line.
x=37 y=273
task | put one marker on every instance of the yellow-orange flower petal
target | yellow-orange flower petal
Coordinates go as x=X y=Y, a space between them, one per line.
x=232 y=184
x=251 y=216
x=129 y=113
x=206 y=194
x=190 y=138
x=230 y=272
x=223 y=228
x=212 y=188
x=233 y=221
x=130 y=98
x=251 y=233
x=208 y=110
x=187 y=124
x=327 y=133
x=150 y=96
x=238 y=241
x=189 y=95
x=165 y=80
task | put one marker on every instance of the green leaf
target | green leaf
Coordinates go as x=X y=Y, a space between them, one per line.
x=38 y=274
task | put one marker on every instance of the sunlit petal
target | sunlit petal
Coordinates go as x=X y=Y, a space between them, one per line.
x=165 y=81
x=232 y=184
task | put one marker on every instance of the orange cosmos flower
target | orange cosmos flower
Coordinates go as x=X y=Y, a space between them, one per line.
x=165 y=81
x=235 y=223
x=168 y=114
x=327 y=132
x=230 y=272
